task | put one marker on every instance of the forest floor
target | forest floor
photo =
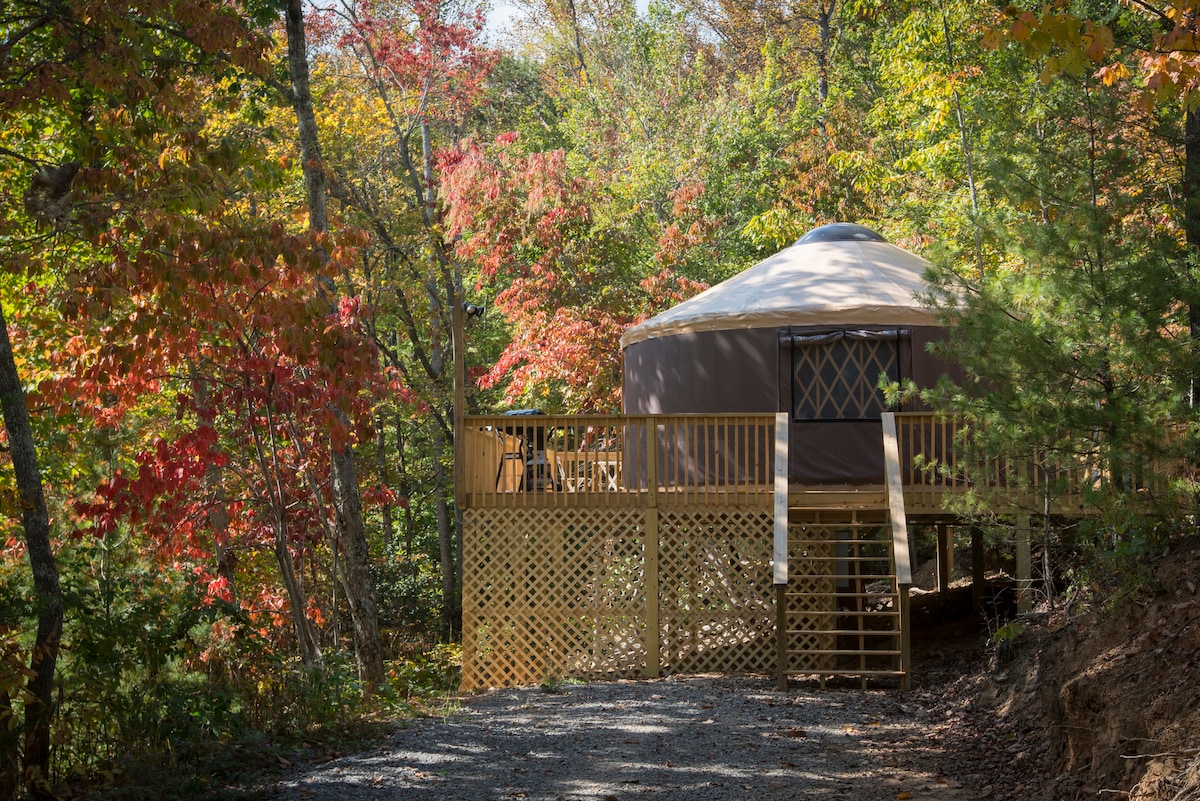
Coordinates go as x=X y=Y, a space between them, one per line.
x=1078 y=709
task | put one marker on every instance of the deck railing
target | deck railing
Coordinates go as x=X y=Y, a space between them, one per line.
x=936 y=458
x=616 y=460
x=606 y=460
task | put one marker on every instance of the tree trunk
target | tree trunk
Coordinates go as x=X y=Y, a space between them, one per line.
x=36 y=522
x=10 y=751
x=356 y=568
x=306 y=635
x=445 y=536
x=968 y=155
x=381 y=467
x=824 y=48
x=1191 y=229
x=356 y=572
x=331 y=532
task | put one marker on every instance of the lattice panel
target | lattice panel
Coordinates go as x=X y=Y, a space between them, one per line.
x=552 y=593
x=843 y=604
x=563 y=592
x=839 y=380
x=717 y=600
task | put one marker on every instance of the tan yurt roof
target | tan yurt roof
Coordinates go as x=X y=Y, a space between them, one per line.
x=838 y=274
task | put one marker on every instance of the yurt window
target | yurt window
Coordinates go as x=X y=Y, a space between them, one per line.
x=835 y=375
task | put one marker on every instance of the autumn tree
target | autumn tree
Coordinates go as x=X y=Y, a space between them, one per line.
x=70 y=76
x=414 y=70
x=356 y=572
x=629 y=191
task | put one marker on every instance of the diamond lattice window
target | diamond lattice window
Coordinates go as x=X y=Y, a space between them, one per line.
x=836 y=376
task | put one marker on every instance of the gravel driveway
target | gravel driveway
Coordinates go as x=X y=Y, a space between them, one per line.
x=718 y=738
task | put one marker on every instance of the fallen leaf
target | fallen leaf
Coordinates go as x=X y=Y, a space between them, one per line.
x=903 y=796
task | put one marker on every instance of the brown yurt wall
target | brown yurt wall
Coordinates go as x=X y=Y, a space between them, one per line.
x=750 y=370
x=705 y=372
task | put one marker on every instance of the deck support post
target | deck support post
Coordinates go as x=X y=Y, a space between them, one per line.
x=653 y=628
x=945 y=557
x=1024 y=565
x=781 y=638
x=977 y=576
x=779 y=558
x=650 y=529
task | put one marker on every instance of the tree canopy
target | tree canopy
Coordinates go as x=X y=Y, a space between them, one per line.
x=235 y=236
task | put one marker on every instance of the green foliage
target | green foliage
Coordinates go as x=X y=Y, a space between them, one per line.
x=407 y=591
x=554 y=685
x=1115 y=556
x=155 y=667
x=433 y=674
x=1008 y=632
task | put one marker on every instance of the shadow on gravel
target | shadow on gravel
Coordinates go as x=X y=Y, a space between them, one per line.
x=683 y=738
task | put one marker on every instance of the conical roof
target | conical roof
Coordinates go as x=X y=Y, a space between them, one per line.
x=838 y=274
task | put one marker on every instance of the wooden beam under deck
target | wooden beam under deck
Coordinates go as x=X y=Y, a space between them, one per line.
x=924 y=503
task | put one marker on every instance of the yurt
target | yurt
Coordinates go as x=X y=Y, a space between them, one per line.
x=809 y=331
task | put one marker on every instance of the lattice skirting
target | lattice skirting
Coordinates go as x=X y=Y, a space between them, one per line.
x=569 y=593
x=716 y=599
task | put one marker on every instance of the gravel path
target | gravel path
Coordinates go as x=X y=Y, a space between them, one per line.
x=695 y=738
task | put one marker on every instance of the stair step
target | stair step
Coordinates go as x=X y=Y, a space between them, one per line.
x=848 y=632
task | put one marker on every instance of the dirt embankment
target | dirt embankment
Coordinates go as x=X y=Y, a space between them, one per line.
x=1113 y=700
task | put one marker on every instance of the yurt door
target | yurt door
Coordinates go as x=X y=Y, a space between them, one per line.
x=836 y=404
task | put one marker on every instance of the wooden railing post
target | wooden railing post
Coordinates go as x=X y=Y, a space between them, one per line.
x=780 y=551
x=900 y=551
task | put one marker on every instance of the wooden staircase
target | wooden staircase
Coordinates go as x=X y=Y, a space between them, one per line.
x=844 y=608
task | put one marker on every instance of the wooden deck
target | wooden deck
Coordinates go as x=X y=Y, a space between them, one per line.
x=621 y=546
